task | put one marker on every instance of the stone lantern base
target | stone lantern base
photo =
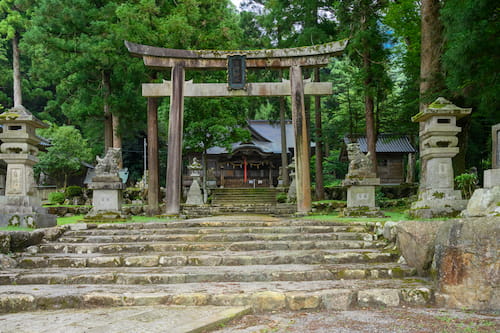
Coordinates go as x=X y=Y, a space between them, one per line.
x=24 y=211
x=438 y=203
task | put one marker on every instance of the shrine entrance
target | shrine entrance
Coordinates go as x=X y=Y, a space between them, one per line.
x=235 y=62
x=248 y=169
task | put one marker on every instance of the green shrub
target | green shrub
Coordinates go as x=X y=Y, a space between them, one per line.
x=56 y=198
x=281 y=197
x=73 y=191
x=466 y=183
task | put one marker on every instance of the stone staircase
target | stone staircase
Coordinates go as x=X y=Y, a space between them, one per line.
x=259 y=261
x=236 y=196
x=230 y=201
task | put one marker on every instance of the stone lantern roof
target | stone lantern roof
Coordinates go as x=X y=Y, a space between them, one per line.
x=441 y=107
x=21 y=114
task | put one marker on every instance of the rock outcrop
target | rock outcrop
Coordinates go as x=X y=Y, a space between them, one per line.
x=467 y=265
x=416 y=240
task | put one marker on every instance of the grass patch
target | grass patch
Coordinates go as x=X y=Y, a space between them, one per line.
x=392 y=215
x=57 y=205
x=11 y=228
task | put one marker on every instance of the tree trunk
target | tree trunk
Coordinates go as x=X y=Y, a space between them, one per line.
x=371 y=136
x=320 y=191
x=117 y=138
x=284 y=146
x=430 y=65
x=108 y=121
x=16 y=67
x=431 y=79
x=410 y=169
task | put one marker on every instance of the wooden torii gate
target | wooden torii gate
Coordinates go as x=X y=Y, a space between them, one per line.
x=236 y=61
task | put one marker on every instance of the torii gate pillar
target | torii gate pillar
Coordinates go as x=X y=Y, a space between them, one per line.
x=302 y=174
x=175 y=130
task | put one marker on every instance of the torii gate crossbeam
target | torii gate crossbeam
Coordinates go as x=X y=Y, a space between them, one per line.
x=178 y=60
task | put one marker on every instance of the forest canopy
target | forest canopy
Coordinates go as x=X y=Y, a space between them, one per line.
x=75 y=71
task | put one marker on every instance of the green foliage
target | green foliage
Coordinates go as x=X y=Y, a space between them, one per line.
x=56 y=198
x=73 y=191
x=334 y=170
x=471 y=61
x=65 y=155
x=281 y=197
x=466 y=183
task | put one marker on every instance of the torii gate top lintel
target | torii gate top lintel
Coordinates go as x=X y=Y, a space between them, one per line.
x=306 y=56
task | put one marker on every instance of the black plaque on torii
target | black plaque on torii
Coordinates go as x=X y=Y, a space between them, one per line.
x=236 y=72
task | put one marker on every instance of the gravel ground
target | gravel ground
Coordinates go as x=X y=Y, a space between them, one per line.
x=367 y=320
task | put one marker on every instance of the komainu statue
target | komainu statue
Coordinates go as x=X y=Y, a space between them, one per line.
x=360 y=165
x=108 y=165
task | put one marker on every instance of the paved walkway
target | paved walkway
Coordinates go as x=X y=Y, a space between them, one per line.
x=171 y=319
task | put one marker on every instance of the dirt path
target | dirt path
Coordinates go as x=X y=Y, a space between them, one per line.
x=369 y=321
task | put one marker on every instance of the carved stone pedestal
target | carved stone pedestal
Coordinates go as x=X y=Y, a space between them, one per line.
x=107 y=190
x=360 y=182
x=361 y=197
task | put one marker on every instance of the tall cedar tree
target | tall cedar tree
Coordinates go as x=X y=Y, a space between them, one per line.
x=291 y=23
x=366 y=48
x=14 y=18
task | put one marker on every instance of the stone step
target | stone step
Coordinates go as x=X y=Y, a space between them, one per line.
x=219 y=222
x=194 y=274
x=217 y=230
x=225 y=258
x=143 y=247
x=262 y=296
x=221 y=237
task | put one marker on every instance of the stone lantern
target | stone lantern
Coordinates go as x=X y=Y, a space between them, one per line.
x=438 y=145
x=21 y=204
x=195 y=196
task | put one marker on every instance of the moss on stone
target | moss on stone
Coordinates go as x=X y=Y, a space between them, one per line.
x=9 y=116
x=438 y=195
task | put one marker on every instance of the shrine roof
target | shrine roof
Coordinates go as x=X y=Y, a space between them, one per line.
x=265 y=137
x=386 y=143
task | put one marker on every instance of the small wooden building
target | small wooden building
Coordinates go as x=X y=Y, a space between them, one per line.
x=393 y=152
x=255 y=163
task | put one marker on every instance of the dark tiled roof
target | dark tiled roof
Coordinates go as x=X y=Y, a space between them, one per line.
x=266 y=137
x=386 y=143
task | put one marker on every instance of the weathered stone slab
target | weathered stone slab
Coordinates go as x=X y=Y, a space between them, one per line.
x=268 y=301
x=415 y=241
x=302 y=301
x=338 y=300
x=378 y=297
x=467 y=263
